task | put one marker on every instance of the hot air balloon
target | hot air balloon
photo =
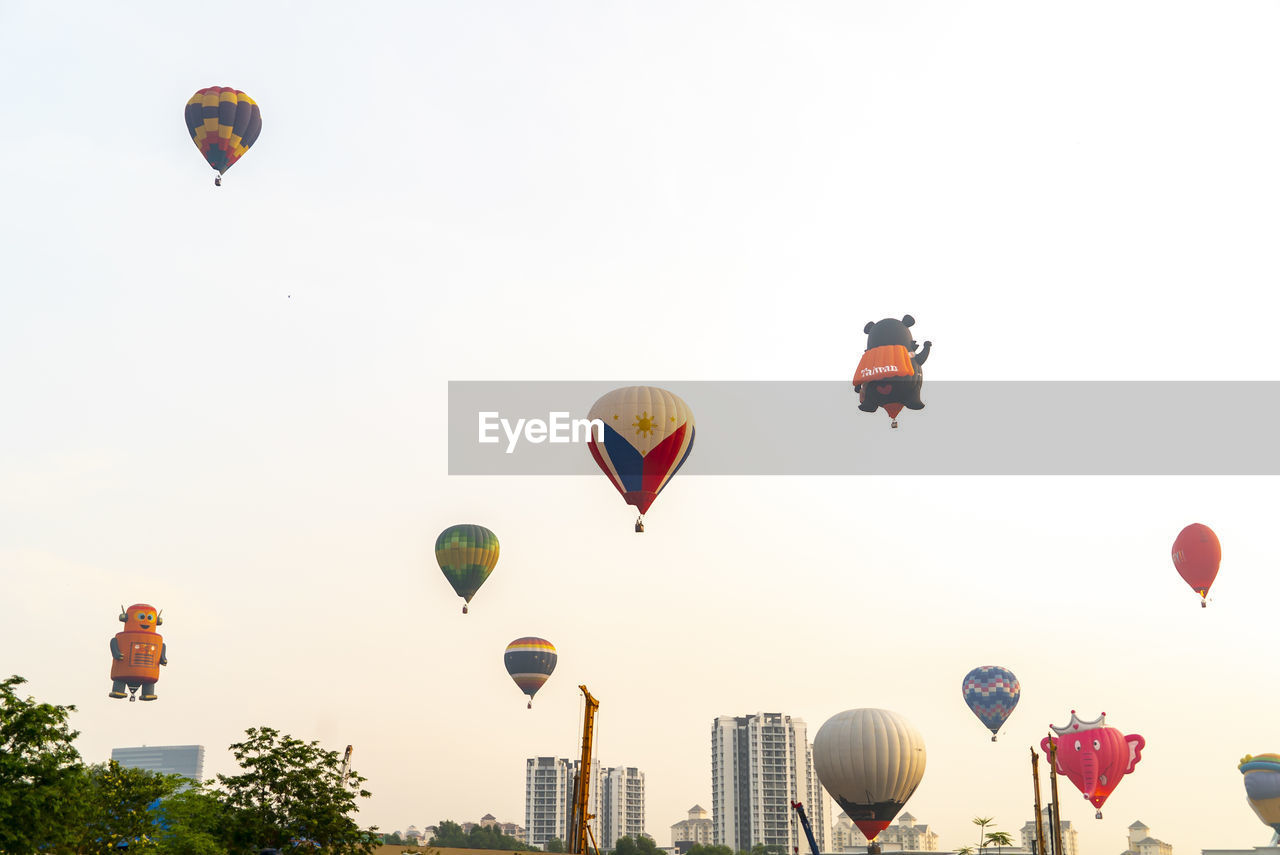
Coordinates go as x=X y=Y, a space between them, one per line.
x=1262 y=787
x=991 y=692
x=530 y=662
x=648 y=434
x=137 y=652
x=889 y=374
x=224 y=123
x=1197 y=554
x=467 y=554
x=1095 y=757
x=870 y=761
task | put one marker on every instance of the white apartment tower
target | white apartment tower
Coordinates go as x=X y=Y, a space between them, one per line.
x=622 y=805
x=1070 y=841
x=548 y=797
x=759 y=765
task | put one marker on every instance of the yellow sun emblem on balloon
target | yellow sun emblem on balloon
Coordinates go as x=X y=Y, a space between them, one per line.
x=644 y=424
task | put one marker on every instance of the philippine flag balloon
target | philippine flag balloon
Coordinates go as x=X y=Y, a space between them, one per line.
x=648 y=434
x=991 y=692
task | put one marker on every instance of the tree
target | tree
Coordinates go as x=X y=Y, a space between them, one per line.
x=982 y=822
x=116 y=808
x=290 y=790
x=700 y=849
x=999 y=839
x=555 y=844
x=193 y=819
x=40 y=773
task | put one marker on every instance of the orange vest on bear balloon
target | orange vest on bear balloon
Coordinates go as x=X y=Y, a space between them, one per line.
x=141 y=646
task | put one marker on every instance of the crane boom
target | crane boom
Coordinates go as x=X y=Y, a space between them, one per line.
x=798 y=807
x=346 y=764
x=578 y=827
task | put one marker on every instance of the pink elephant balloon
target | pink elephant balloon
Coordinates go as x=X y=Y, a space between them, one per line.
x=1093 y=756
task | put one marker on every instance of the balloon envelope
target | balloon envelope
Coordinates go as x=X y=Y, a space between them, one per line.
x=467 y=555
x=991 y=692
x=223 y=123
x=1262 y=787
x=1197 y=554
x=648 y=434
x=530 y=661
x=870 y=761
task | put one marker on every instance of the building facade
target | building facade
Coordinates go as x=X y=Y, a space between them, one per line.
x=1069 y=835
x=907 y=834
x=621 y=806
x=548 y=797
x=697 y=830
x=759 y=765
x=1142 y=843
x=184 y=760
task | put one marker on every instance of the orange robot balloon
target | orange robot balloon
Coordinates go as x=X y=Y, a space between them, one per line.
x=137 y=653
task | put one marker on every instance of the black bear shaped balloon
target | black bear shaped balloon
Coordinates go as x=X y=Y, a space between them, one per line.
x=889 y=373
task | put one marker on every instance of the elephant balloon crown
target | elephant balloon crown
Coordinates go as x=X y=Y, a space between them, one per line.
x=1078 y=724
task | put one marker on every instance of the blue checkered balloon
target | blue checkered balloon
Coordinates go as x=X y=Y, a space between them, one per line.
x=992 y=693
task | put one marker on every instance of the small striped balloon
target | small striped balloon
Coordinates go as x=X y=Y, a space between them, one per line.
x=530 y=661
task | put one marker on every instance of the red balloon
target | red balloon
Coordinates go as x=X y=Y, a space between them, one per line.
x=1197 y=554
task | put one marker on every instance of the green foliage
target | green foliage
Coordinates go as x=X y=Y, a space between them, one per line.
x=999 y=839
x=450 y=834
x=113 y=802
x=196 y=819
x=40 y=773
x=700 y=849
x=291 y=790
x=555 y=844
x=641 y=845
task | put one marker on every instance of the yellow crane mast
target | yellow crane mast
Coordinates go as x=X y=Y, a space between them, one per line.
x=579 y=828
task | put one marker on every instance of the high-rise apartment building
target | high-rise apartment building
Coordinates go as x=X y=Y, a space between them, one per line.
x=759 y=765
x=185 y=760
x=621 y=805
x=1070 y=845
x=548 y=797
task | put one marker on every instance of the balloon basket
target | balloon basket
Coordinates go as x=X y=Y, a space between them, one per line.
x=464 y=608
x=1203 y=604
x=639 y=525
x=132 y=690
x=993 y=739
x=1098 y=815
x=530 y=704
x=217 y=181
x=894 y=423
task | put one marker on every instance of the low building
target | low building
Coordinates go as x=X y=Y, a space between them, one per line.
x=184 y=760
x=907 y=834
x=1142 y=843
x=696 y=830
x=1070 y=846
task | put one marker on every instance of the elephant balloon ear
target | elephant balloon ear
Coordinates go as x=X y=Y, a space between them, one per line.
x=869 y=327
x=908 y=321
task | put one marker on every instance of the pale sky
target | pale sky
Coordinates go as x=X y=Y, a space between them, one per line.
x=231 y=402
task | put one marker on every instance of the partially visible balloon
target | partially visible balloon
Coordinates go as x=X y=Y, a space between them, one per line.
x=870 y=761
x=648 y=434
x=530 y=662
x=1093 y=756
x=467 y=555
x=1262 y=787
x=991 y=692
x=223 y=123
x=1197 y=554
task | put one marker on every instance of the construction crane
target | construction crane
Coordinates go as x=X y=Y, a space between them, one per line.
x=579 y=821
x=798 y=807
